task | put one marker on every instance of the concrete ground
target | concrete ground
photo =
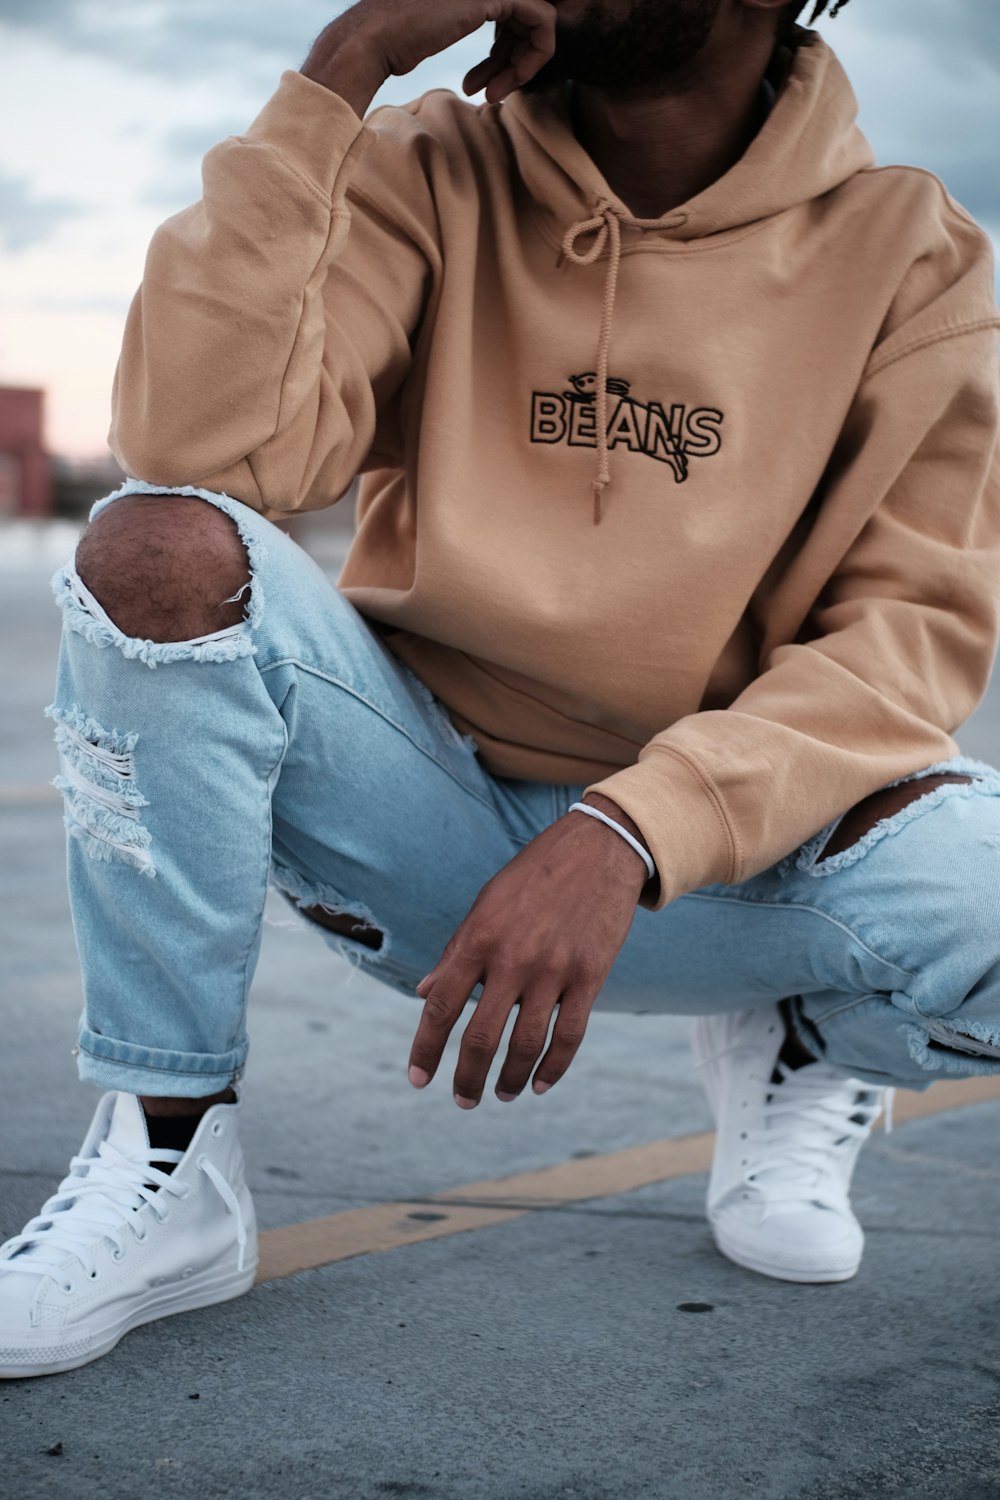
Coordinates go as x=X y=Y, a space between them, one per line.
x=593 y=1350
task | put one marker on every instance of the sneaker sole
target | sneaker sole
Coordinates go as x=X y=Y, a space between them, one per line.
x=782 y=1273
x=19 y=1362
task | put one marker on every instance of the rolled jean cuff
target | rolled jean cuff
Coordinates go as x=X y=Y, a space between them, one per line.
x=154 y=1071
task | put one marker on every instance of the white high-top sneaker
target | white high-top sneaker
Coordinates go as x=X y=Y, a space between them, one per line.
x=121 y=1242
x=784 y=1152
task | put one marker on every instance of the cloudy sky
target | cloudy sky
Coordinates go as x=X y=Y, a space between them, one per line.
x=107 y=107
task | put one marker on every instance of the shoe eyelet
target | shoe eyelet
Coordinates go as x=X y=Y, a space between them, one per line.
x=216 y=1127
x=67 y=1287
x=118 y=1256
x=93 y=1275
x=201 y=1160
x=140 y=1238
x=743 y=1135
x=162 y=1218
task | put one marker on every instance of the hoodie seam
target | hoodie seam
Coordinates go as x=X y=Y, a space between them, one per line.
x=335 y=214
x=939 y=336
x=380 y=207
x=952 y=203
x=253 y=474
x=307 y=182
x=736 y=857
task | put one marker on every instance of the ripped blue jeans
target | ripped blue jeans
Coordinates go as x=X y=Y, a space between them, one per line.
x=295 y=749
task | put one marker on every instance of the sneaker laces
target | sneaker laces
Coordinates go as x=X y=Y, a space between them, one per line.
x=808 y=1115
x=105 y=1192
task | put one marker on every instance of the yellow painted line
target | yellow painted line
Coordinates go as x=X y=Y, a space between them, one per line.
x=479 y=1205
x=27 y=796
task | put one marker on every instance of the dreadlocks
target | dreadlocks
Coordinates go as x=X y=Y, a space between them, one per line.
x=790 y=15
x=819 y=9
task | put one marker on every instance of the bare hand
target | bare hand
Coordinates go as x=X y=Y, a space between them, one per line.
x=542 y=934
x=382 y=38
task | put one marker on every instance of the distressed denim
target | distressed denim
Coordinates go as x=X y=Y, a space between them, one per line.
x=294 y=749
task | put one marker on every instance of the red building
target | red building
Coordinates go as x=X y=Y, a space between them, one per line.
x=25 y=473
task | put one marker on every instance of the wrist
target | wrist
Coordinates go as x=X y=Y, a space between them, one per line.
x=347 y=63
x=608 y=806
x=625 y=848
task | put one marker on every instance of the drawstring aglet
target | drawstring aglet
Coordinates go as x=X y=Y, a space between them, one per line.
x=601 y=482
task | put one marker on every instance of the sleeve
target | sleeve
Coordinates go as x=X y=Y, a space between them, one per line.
x=894 y=653
x=270 y=338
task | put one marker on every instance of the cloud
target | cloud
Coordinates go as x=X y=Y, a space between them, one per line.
x=928 y=80
x=28 y=18
x=960 y=36
x=192 y=141
x=27 y=220
x=201 y=37
x=97 y=304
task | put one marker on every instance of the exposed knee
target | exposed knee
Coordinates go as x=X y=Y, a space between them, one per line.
x=165 y=567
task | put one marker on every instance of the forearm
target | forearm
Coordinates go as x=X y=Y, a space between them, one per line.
x=344 y=61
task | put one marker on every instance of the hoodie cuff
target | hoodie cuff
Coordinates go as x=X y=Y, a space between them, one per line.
x=313 y=128
x=682 y=820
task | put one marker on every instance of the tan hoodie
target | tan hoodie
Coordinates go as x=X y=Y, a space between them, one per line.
x=782 y=399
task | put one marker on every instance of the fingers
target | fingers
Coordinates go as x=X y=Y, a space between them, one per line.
x=526 y=1045
x=445 y=1000
x=481 y=1039
x=535 y=32
x=522 y=44
x=569 y=1031
x=498 y=59
x=535 y=22
x=444 y=992
x=478 y=77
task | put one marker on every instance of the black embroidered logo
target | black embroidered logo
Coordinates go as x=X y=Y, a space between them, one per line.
x=642 y=426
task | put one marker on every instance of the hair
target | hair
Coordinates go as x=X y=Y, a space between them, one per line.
x=819 y=8
x=788 y=17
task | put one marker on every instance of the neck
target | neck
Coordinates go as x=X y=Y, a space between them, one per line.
x=659 y=152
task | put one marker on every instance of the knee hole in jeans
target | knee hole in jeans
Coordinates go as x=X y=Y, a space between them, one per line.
x=165 y=568
x=346 y=925
x=882 y=806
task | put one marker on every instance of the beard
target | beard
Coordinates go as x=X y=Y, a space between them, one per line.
x=646 y=53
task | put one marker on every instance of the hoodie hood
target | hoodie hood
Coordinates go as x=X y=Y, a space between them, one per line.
x=808 y=144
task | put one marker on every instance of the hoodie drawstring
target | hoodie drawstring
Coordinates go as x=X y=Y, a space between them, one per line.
x=606 y=226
